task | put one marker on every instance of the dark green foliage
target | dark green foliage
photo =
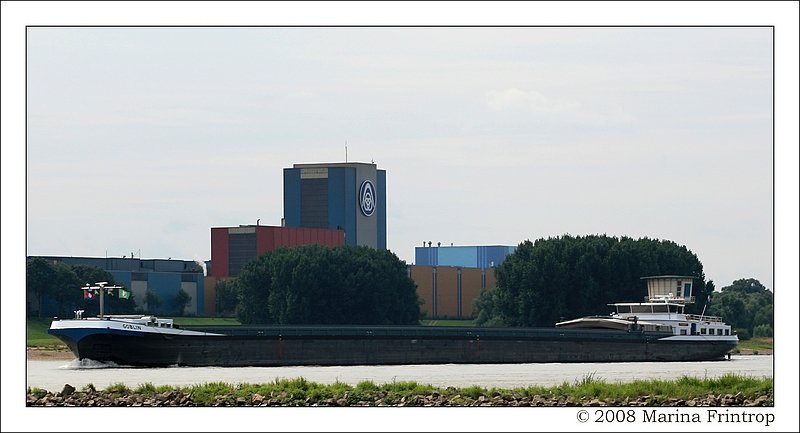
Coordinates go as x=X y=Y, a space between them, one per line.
x=154 y=300
x=66 y=293
x=554 y=279
x=111 y=304
x=746 y=304
x=39 y=276
x=487 y=306
x=91 y=275
x=180 y=301
x=745 y=286
x=320 y=285
x=743 y=333
x=762 y=331
x=227 y=297
x=62 y=284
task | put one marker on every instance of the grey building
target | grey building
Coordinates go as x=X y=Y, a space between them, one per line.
x=344 y=196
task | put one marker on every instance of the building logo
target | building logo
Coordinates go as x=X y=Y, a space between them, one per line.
x=366 y=198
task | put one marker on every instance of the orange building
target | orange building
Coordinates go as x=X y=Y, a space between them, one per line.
x=447 y=292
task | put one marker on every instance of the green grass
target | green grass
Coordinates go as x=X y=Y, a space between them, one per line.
x=37 y=336
x=684 y=387
x=756 y=343
x=301 y=392
x=447 y=322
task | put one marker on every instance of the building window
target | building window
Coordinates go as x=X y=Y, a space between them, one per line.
x=314 y=203
x=241 y=249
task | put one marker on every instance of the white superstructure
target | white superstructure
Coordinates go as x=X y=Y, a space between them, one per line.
x=662 y=311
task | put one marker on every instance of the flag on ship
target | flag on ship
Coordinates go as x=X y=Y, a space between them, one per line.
x=124 y=294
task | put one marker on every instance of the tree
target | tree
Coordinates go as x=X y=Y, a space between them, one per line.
x=112 y=303
x=320 y=285
x=66 y=289
x=153 y=300
x=91 y=275
x=747 y=305
x=486 y=304
x=553 y=279
x=39 y=277
x=227 y=297
x=745 y=286
x=60 y=284
x=762 y=331
x=180 y=301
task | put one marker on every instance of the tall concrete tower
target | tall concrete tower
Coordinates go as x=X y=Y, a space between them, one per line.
x=348 y=196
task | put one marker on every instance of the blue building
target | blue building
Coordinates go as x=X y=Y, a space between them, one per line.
x=344 y=196
x=164 y=278
x=482 y=257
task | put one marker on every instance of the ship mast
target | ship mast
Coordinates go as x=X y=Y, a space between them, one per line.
x=101 y=287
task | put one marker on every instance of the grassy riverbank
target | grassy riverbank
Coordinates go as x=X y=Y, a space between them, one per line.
x=727 y=390
x=755 y=346
x=36 y=334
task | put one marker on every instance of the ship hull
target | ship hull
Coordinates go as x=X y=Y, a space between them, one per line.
x=273 y=346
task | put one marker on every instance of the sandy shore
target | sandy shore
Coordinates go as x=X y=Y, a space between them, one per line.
x=48 y=354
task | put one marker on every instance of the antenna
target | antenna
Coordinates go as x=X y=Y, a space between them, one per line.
x=100 y=288
x=345 y=151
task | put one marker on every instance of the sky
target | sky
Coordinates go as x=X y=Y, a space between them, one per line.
x=142 y=139
x=120 y=140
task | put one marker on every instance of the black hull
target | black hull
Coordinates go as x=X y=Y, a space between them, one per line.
x=282 y=347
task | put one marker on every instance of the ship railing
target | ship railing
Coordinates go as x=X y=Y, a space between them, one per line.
x=124 y=316
x=662 y=298
x=702 y=318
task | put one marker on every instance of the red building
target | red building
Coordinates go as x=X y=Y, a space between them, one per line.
x=232 y=247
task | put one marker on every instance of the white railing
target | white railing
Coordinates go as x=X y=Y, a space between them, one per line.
x=663 y=298
x=701 y=318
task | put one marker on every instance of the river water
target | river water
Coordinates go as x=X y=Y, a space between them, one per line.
x=52 y=375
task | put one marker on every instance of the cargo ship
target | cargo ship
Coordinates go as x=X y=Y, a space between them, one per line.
x=655 y=330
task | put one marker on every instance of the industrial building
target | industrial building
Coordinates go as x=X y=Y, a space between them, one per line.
x=233 y=247
x=481 y=257
x=345 y=204
x=163 y=277
x=343 y=196
x=328 y=204
x=447 y=292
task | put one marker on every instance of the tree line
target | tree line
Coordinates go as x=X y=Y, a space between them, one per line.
x=56 y=287
x=566 y=277
x=747 y=305
x=541 y=283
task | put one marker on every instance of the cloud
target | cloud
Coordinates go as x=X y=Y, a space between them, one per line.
x=526 y=100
